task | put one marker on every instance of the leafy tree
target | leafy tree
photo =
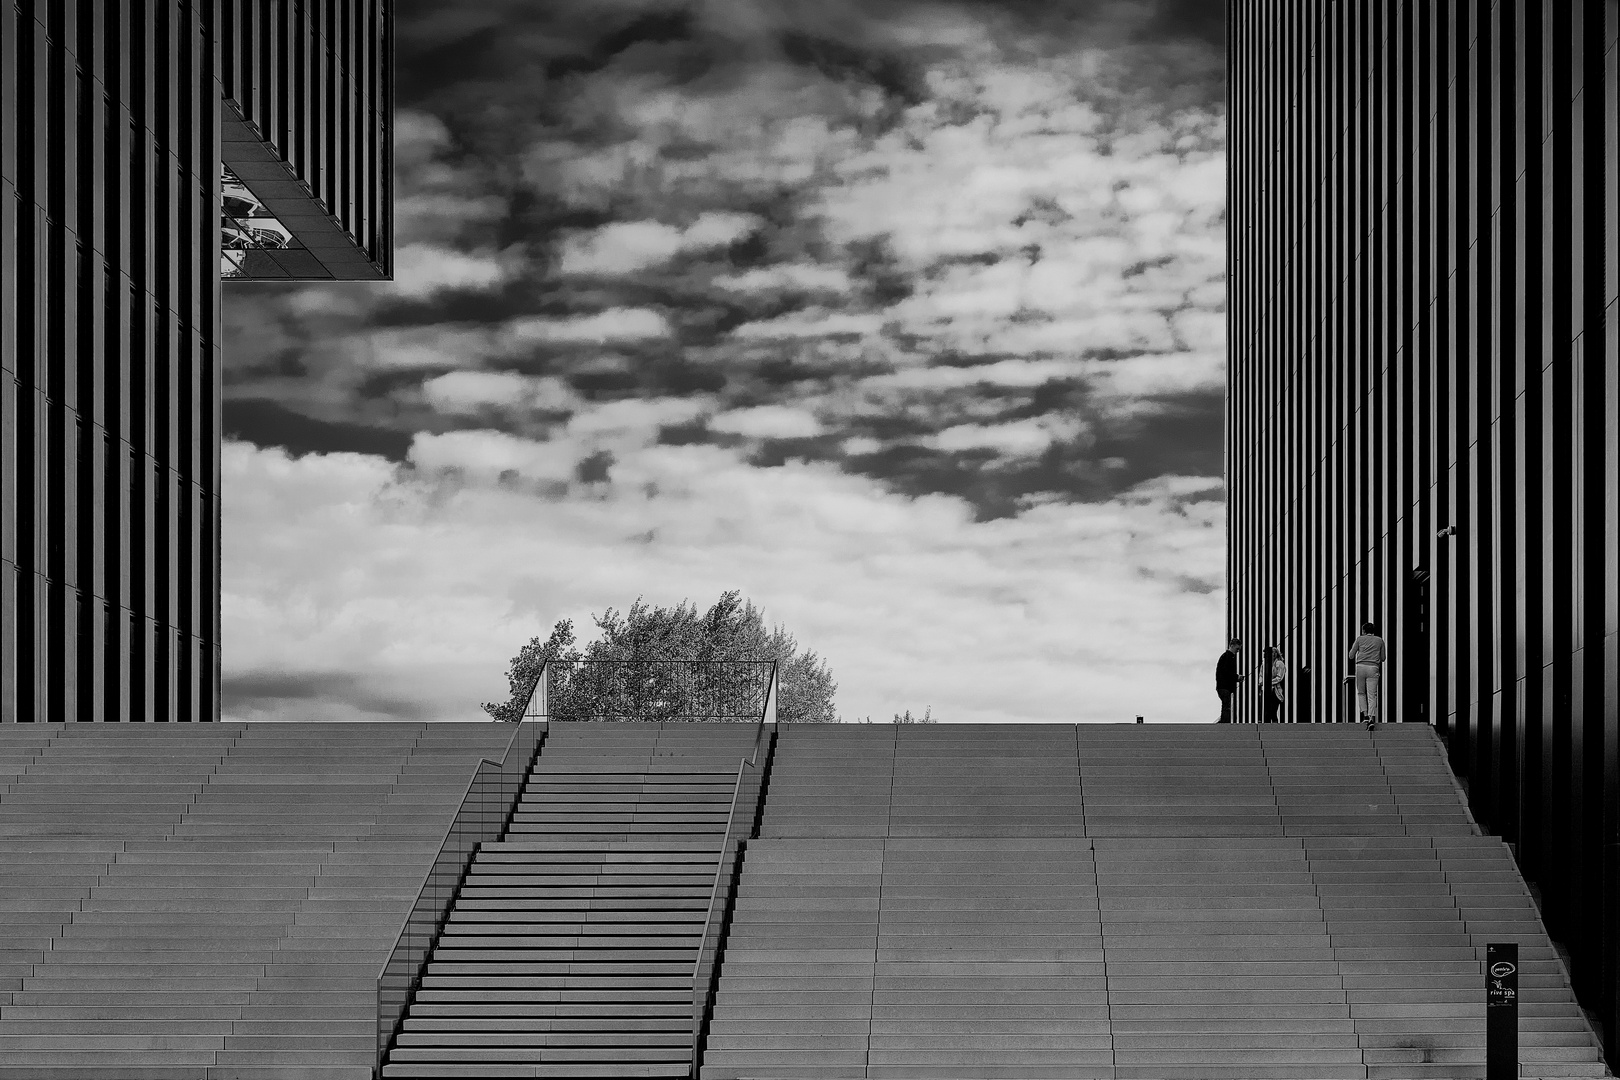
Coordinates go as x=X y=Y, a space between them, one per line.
x=526 y=665
x=732 y=629
x=926 y=718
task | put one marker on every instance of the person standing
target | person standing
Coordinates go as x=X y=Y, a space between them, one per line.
x=1276 y=679
x=1367 y=658
x=1227 y=678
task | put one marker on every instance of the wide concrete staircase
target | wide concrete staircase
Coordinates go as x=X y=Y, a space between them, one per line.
x=571 y=947
x=1148 y=902
x=212 y=901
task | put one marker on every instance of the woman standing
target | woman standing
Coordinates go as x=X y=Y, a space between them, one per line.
x=1367 y=656
x=1275 y=686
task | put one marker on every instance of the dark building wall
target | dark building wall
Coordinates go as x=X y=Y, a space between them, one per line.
x=1422 y=334
x=110 y=250
x=109 y=343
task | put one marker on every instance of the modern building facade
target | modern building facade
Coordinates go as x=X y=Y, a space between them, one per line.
x=1422 y=413
x=116 y=119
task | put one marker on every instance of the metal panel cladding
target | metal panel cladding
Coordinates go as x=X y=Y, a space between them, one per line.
x=109 y=429
x=308 y=128
x=1422 y=401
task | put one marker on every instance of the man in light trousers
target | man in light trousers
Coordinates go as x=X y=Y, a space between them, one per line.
x=1367 y=656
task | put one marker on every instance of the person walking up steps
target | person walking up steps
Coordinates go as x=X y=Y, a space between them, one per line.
x=1367 y=655
x=1227 y=678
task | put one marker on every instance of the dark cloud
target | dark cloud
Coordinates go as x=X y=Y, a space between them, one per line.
x=651 y=27
x=1178 y=436
x=873 y=262
x=451 y=55
x=606 y=384
x=678 y=376
x=1199 y=20
x=269 y=423
x=696 y=433
x=772 y=453
x=285 y=693
x=968 y=474
x=595 y=468
x=379 y=385
x=993 y=486
x=842 y=62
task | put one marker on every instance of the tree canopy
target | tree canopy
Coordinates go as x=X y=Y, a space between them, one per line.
x=732 y=629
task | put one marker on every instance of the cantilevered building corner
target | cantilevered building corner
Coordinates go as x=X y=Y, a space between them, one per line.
x=305 y=140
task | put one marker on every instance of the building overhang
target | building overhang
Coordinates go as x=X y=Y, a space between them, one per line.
x=289 y=236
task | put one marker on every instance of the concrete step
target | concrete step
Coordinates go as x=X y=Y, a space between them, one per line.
x=572 y=941
x=192 y=920
x=1186 y=840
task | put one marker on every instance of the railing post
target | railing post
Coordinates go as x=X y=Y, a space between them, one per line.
x=539 y=705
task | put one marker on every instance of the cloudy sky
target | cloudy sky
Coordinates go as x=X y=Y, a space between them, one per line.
x=904 y=317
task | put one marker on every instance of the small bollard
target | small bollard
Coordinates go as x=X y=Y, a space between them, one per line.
x=1502 y=1011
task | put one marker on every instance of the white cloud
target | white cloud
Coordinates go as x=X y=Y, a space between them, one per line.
x=799 y=276
x=423 y=589
x=766 y=126
x=413 y=348
x=1019 y=438
x=491 y=453
x=628 y=246
x=860 y=444
x=419 y=137
x=1170 y=373
x=474 y=391
x=714 y=230
x=813 y=323
x=422 y=269
x=768 y=422
x=637 y=419
x=1201 y=183
x=614 y=324
x=1053 y=225
x=1112 y=330
x=1174 y=487
x=1012 y=372
x=622 y=427
x=620 y=248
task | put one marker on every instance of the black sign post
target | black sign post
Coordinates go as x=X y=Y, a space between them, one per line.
x=1502 y=1011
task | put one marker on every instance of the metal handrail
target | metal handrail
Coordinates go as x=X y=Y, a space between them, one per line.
x=486 y=810
x=740 y=829
x=651 y=690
